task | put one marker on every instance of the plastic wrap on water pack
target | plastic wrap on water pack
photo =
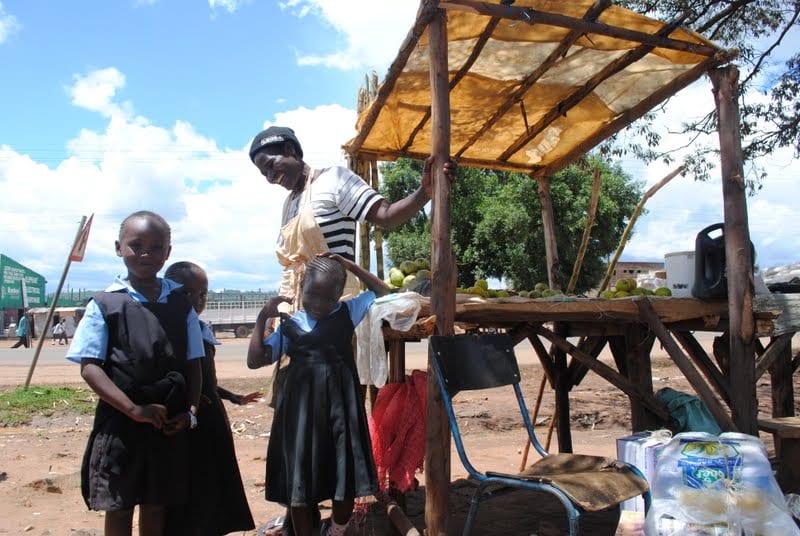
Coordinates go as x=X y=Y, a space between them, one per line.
x=717 y=485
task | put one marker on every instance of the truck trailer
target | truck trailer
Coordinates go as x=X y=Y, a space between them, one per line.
x=237 y=316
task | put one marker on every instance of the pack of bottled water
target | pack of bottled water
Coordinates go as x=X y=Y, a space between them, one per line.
x=717 y=486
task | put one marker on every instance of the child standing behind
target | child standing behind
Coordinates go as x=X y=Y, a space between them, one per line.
x=217 y=501
x=319 y=447
x=138 y=345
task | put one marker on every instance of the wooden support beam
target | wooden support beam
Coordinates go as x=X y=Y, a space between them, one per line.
x=702 y=361
x=776 y=348
x=562 y=387
x=738 y=250
x=549 y=230
x=690 y=373
x=532 y=16
x=443 y=287
x=611 y=375
x=781 y=375
x=591 y=345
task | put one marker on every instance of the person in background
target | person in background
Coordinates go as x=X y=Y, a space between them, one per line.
x=319 y=447
x=23 y=330
x=139 y=346
x=60 y=332
x=217 y=501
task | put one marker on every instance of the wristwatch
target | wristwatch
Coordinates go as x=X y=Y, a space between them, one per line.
x=192 y=420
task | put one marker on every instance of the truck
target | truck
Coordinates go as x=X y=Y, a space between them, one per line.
x=238 y=316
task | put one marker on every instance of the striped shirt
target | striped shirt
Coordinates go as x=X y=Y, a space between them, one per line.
x=339 y=199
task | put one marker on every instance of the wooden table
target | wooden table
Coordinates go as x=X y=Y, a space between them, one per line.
x=630 y=326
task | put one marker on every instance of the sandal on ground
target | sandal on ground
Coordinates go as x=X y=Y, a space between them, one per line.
x=279 y=526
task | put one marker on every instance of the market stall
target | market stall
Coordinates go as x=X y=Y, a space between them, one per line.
x=531 y=86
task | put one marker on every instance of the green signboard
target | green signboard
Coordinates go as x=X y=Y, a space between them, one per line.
x=18 y=284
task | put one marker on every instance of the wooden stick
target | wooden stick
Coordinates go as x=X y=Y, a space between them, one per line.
x=628 y=228
x=587 y=231
x=397 y=516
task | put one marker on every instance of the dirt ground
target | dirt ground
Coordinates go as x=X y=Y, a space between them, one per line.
x=39 y=463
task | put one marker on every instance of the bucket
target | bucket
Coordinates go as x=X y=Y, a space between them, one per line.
x=680 y=273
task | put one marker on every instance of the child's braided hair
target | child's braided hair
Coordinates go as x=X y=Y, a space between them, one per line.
x=327 y=271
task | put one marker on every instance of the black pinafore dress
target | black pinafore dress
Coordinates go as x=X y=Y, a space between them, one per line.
x=128 y=463
x=319 y=448
x=217 y=500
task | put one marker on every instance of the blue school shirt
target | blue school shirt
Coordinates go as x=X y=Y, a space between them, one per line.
x=208 y=335
x=91 y=335
x=358 y=310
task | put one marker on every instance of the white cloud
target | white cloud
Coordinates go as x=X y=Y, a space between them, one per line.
x=96 y=92
x=227 y=5
x=683 y=207
x=223 y=213
x=372 y=31
x=8 y=25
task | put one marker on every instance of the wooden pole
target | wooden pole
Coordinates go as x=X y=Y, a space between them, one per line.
x=443 y=281
x=51 y=311
x=587 y=232
x=549 y=230
x=628 y=228
x=738 y=255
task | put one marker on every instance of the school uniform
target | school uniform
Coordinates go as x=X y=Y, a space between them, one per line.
x=144 y=347
x=217 y=501
x=319 y=447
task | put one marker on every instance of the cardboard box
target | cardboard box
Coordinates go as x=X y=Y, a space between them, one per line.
x=641 y=450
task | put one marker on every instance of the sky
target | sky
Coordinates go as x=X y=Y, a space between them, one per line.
x=112 y=107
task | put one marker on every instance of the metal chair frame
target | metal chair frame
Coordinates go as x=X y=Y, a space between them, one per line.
x=494 y=366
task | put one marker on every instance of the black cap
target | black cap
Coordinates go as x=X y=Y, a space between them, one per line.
x=274 y=135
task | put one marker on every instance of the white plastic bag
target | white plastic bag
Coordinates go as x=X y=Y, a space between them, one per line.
x=400 y=311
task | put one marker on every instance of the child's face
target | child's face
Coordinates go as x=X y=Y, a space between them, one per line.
x=144 y=247
x=195 y=286
x=319 y=298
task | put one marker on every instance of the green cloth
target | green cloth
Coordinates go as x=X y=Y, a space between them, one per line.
x=688 y=412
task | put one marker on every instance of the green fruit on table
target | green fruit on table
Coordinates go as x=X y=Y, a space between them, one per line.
x=663 y=291
x=622 y=294
x=422 y=264
x=523 y=293
x=541 y=287
x=622 y=285
x=608 y=294
x=502 y=294
x=396 y=276
x=408 y=267
x=482 y=284
x=423 y=274
x=410 y=281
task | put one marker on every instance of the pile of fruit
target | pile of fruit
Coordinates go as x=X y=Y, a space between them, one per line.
x=481 y=288
x=540 y=290
x=409 y=274
x=627 y=287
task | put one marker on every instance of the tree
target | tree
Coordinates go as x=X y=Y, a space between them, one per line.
x=496 y=221
x=758 y=29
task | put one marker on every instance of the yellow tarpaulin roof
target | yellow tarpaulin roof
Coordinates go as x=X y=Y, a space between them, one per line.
x=533 y=85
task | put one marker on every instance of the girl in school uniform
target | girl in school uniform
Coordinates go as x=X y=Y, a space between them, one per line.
x=139 y=345
x=217 y=501
x=319 y=447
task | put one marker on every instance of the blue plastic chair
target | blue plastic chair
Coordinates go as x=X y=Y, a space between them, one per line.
x=581 y=483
